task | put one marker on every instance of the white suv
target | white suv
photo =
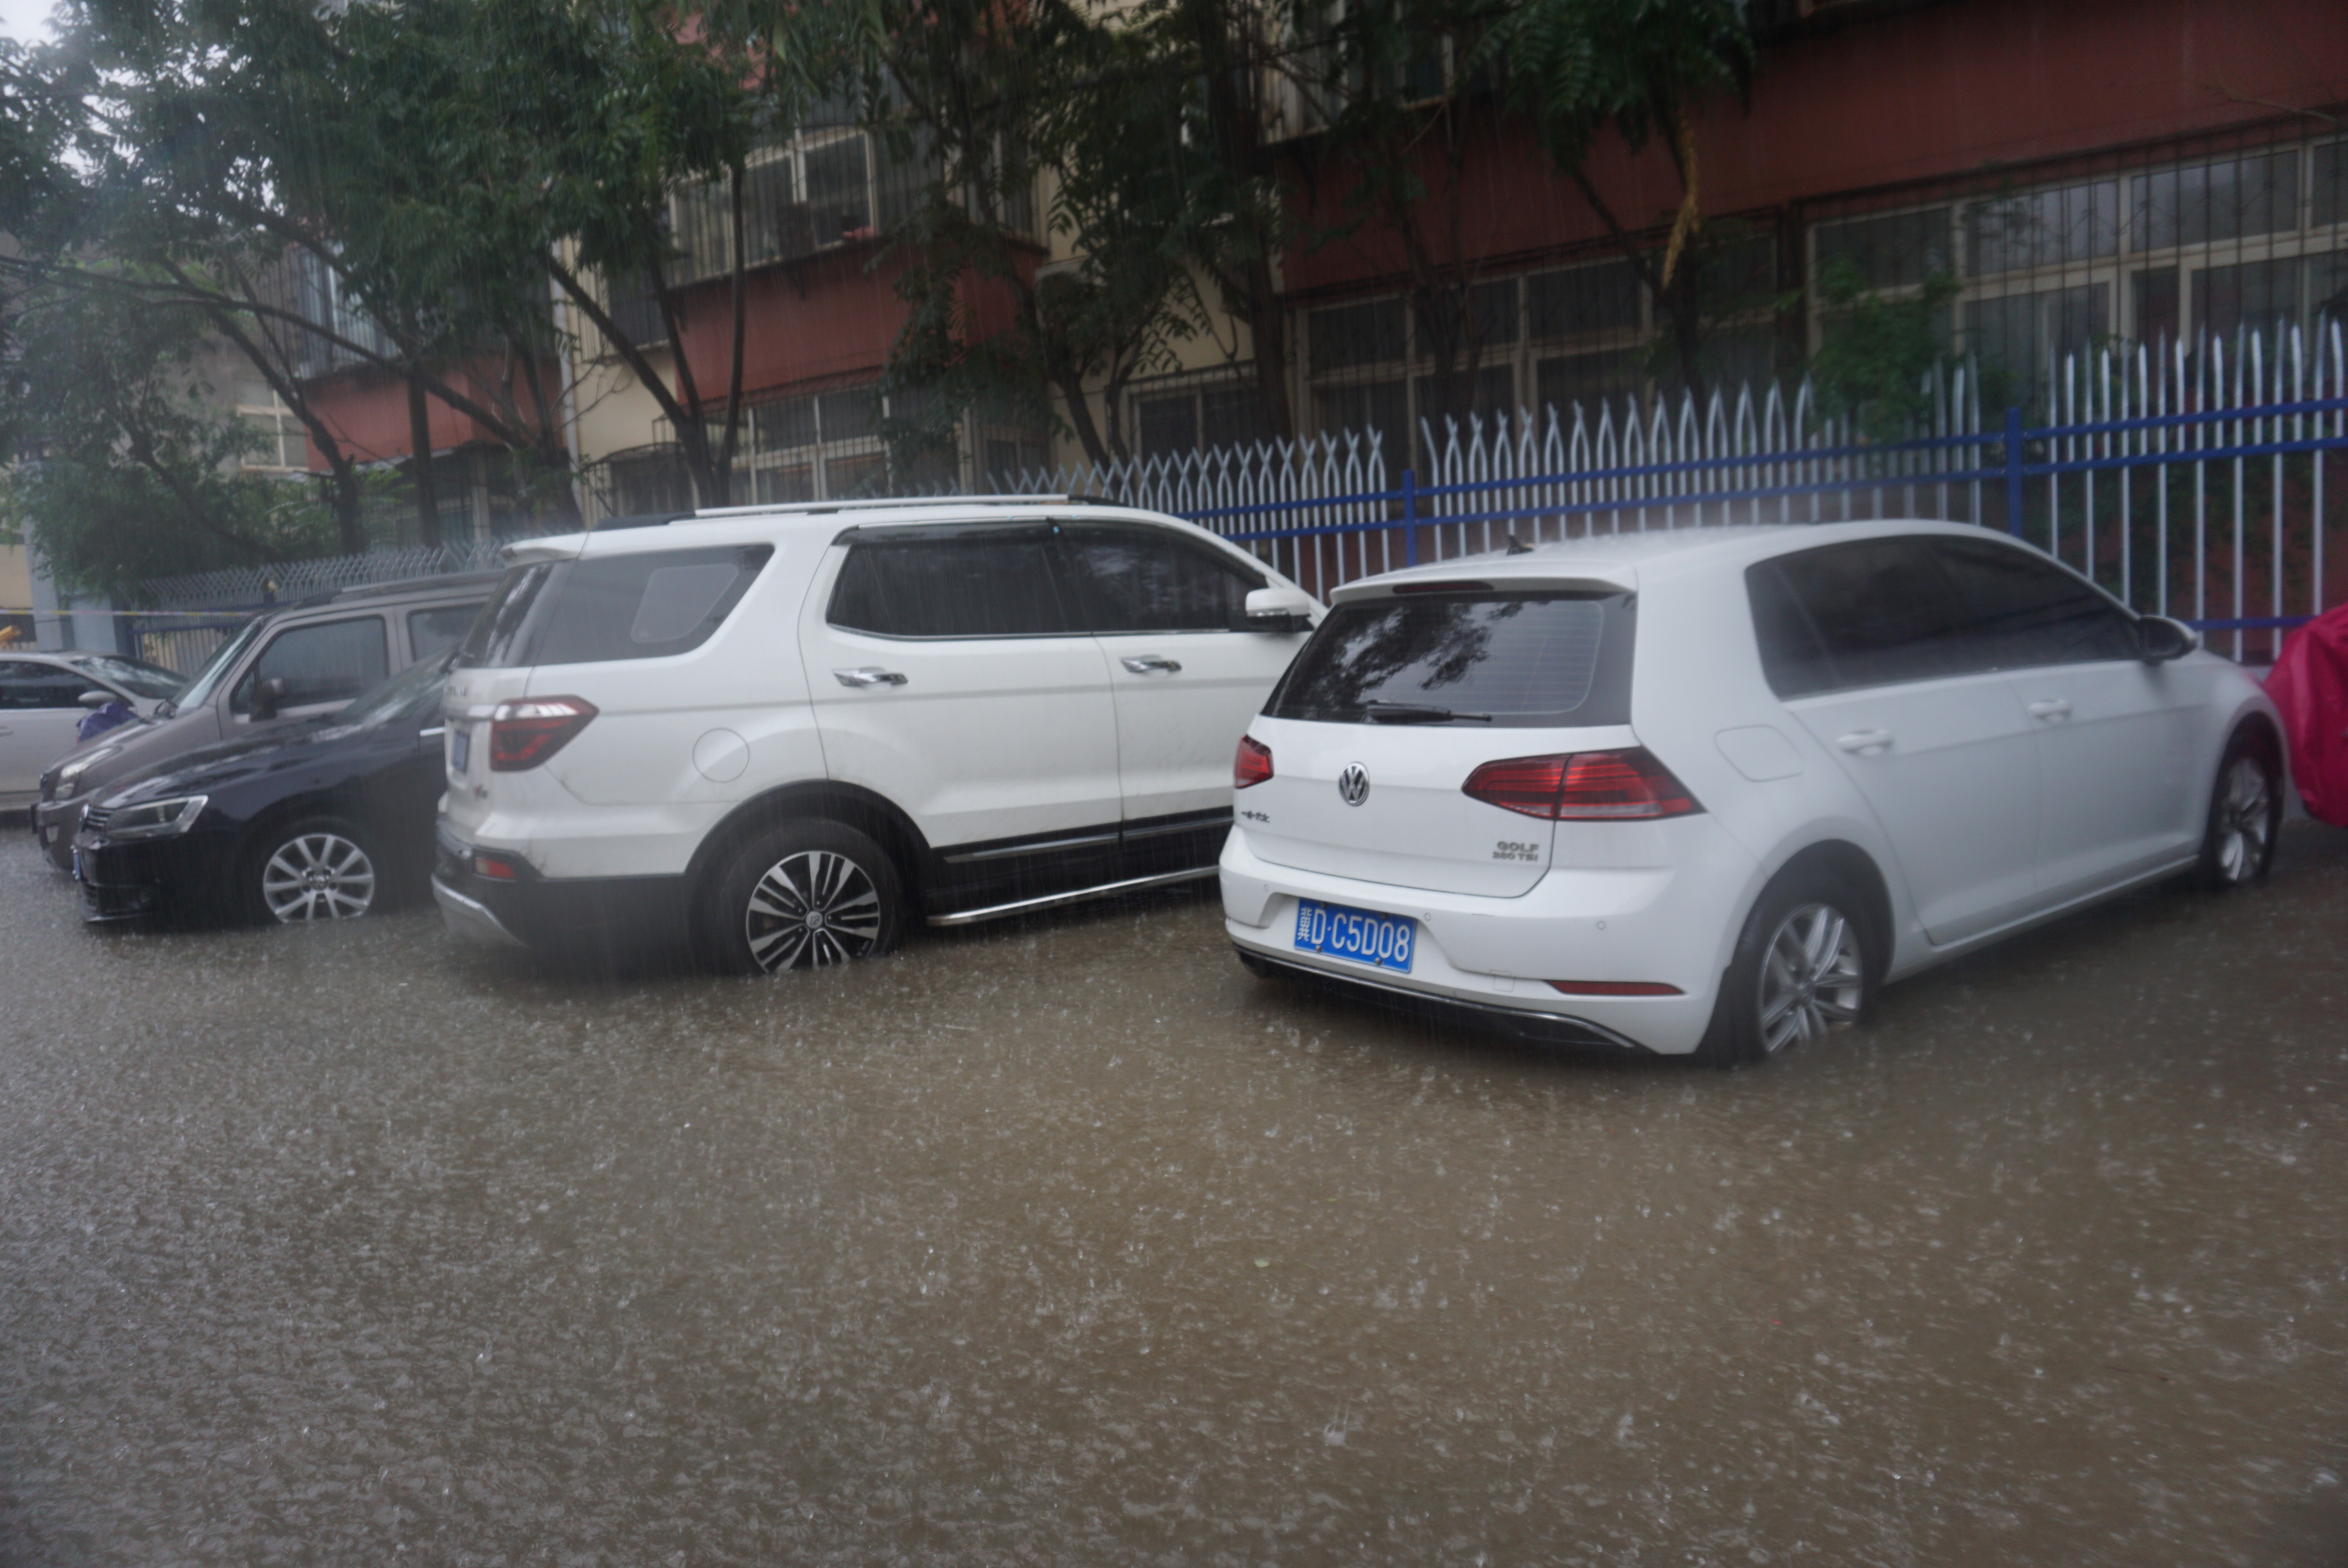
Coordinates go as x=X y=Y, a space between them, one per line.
x=1703 y=791
x=788 y=729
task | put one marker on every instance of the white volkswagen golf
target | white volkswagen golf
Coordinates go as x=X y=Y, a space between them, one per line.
x=1703 y=791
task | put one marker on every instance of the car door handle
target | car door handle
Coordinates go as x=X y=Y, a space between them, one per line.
x=1865 y=741
x=868 y=676
x=1152 y=665
x=2050 y=708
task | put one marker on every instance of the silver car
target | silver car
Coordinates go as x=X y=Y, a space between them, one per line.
x=45 y=697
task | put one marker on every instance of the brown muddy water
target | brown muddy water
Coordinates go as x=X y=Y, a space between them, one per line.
x=1069 y=1242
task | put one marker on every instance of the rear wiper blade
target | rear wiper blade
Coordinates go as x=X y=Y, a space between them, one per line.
x=1385 y=712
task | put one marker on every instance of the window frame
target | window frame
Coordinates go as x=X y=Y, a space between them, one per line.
x=1045 y=529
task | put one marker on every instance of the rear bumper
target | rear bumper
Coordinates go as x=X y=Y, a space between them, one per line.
x=1537 y=1027
x=472 y=918
x=1490 y=959
x=601 y=914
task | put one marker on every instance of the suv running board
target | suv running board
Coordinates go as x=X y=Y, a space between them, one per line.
x=1054 y=900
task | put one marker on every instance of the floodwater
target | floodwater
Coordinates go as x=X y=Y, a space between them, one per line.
x=1069 y=1242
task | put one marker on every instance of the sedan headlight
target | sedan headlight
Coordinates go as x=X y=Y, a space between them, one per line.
x=155 y=819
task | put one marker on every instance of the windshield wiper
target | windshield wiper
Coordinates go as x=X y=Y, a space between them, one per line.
x=1385 y=712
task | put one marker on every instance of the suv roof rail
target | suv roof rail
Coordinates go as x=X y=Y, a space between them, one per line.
x=810 y=509
x=405 y=585
x=638 y=520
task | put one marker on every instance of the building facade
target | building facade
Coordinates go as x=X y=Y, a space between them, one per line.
x=2052 y=174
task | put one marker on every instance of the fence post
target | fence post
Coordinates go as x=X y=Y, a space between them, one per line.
x=1409 y=516
x=2014 y=470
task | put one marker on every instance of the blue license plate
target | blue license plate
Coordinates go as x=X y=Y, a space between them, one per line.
x=460 y=748
x=1334 y=931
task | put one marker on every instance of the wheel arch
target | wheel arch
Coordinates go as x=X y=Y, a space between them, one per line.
x=827 y=800
x=1841 y=858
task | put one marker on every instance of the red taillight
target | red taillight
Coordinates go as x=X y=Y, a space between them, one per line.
x=1584 y=786
x=1528 y=784
x=1253 y=763
x=1615 y=989
x=525 y=733
x=494 y=869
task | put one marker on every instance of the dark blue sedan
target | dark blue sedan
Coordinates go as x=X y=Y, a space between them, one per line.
x=326 y=824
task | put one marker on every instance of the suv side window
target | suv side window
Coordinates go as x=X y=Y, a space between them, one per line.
x=647 y=605
x=1877 y=612
x=2032 y=611
x=1140 y=578
x=24 y=685
x=433 y=632
x=985 y=580
x=330 y=662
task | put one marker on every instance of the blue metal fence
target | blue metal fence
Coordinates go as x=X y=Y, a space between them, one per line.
x=1433 y=519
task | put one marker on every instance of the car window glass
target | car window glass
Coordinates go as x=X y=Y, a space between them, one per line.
x=976 y=582
x=495 y=640
x=1525 y=659
x=1793 y=660
x=206 y=680
x=432 y=632
x=414 y=694
x=679 y=598
x=1139 y=579
x=135 y=676
x=2032 y=611
x=24 y=685
x=333 y=661
x=650 y=604
x=1882 y=611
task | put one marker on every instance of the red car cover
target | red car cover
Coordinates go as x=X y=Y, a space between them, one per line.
x=2309 y=685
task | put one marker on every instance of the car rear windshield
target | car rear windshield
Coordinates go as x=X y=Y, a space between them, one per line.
x=643 y=606
x=1481 y=657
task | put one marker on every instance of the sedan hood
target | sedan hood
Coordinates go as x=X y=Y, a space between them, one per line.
x=232 y=761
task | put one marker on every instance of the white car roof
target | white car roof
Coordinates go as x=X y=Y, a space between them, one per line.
x=1622 y=561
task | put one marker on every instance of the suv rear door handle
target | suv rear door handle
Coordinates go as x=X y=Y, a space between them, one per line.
x=2050 y=708
x=868 y=676
x=1152 y=665
x=1865 y=740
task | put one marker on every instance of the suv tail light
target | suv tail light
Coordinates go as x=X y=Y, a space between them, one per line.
x=525 y=733
x=1253 y=763
x=1584 y=786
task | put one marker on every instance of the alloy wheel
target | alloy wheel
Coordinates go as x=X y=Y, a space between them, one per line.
x=812 y=910
x=318 y=877
x=2245 y=820
x=1810 y=976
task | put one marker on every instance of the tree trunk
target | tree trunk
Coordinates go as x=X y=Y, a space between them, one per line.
x=343 y=485
x=420 y=441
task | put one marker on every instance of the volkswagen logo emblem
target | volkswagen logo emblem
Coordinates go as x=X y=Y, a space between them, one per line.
x=1353 y=784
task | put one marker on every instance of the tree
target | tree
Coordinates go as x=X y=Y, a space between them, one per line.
x=1643 y=69
x=108 y=404
x=1396 y=103
x=217 y=147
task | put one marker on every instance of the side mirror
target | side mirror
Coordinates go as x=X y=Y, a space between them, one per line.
x=2159 y=639
x=1280 y=610
x=95 y=699
x=268 y=696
